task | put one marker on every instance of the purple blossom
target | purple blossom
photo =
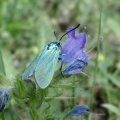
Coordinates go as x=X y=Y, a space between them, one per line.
x=73 y=55
x=3 y=98
x=79 y=110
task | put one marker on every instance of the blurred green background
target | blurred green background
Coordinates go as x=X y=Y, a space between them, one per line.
x=26 y=26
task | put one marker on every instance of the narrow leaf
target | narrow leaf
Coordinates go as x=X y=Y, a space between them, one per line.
x=2 y=68
x=112 y=108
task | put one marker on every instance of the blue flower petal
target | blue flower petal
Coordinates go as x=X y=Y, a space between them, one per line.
x=77 y=64
x=79 y=110
x=73 y=44
x=74 y=68
x=3 y=98
x=72 y=54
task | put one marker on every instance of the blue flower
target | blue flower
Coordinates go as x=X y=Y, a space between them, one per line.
x=79 y=110
x=3 y=98
x=73 y=54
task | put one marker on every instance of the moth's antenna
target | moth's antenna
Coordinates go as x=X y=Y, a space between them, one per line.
x=69 y=32
x=55 y=35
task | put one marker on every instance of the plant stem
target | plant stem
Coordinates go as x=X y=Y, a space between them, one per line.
x=2 y=67
x=3 y=117
x=2 y=70
x=11 y=112
x=73 y=92
x=96 y=60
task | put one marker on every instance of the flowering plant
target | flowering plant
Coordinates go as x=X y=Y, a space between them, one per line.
x=73 y=54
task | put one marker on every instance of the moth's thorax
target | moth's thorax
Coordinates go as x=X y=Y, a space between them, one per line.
x=54 y=45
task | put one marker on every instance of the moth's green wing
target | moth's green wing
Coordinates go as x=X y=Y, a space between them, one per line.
x=46 y=67
x=31 y=68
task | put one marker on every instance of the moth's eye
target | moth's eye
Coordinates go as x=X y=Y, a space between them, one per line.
x=58 y=44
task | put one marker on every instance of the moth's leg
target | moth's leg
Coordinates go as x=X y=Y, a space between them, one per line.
x=61 y=69
x=60 y=59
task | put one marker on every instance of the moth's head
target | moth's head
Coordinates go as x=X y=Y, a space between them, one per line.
x=54 y=45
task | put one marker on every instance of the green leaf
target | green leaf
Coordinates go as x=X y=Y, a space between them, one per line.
x=20 y=89
x=4 y=82
x=34 y=114
x=112 y=108
x=110 y=77
x=2 y=68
